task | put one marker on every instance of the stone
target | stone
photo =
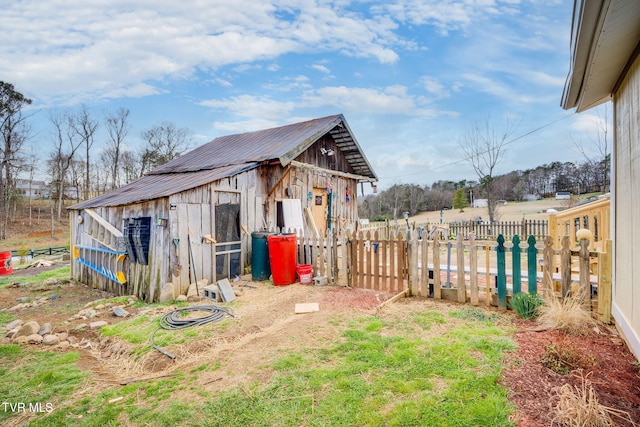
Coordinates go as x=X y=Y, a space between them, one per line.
x=166 y=293
x=23 y=299
x=20 y=340
x=181 y=298
x=27 y=329
x=35 y=339
x=14 y=324
x=119 y=311
x=63 y=344
x=72 y=339
x=80 y=327
x=51 y=281
x=90 y=314
x=45 y=329
x=20 y=306
x=195 y=292
x=62 y=336
x=50 y=340
x=100 y=307
x=98 y=324
x=10 y=334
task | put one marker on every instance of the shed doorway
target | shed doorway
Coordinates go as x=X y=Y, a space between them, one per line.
x=319 y=209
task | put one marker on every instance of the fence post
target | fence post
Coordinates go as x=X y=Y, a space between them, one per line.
x=565 y=267
x=437 y=287
x=502 y=274
x=547 y=265
x=473 y=270
x=531 y=265
x=604 y=282
x=462 y=286
x=516 y=277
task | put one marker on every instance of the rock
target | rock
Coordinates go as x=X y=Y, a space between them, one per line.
x=51 y=281
x=195 y=292
x=98 y=324
x=10 y=334
x=27 y=329
x=20 y=306
x=14 y=324
x=90 y=314
x=80 y=327
x=62 y=336
x=100 y=307
x=35 y=339
x=120 y=312
x=63 y=344
x=54 y=296
x=72 y=339
x=50 y=340
x=166 y=293
x=45 y=329
x=20 y=340
x=181 y=298
x=23 y=299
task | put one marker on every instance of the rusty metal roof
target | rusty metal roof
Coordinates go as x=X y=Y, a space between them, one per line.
x=151 y=187
x=228 y=155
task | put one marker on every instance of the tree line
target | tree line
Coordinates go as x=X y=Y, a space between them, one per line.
x=71 y=160
x=542 y=181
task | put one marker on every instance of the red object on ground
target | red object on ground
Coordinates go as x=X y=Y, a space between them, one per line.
x=305 y=273
x=5 y=263
x=282 y=257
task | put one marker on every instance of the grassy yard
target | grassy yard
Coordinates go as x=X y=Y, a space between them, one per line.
x=416 y=367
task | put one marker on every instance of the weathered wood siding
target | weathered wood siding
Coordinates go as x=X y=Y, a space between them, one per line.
x=626 y=202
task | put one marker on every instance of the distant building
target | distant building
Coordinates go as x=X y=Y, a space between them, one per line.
x=32 y=189
x=480 y=203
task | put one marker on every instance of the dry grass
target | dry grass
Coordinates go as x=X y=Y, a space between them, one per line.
x=578 y=406
x=568 y=315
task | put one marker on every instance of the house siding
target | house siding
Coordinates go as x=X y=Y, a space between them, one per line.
x=626 y=205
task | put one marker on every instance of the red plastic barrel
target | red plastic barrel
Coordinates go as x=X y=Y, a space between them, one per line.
x=305 y=273
x=282 y=257
x=5 y=263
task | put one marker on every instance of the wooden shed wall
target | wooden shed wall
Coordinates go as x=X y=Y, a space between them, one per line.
x=626 y=201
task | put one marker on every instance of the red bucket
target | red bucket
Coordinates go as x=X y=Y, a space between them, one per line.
x=305 y=273
x=5 y=263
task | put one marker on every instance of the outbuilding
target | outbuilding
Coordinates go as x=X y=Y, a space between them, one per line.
x=192 y=218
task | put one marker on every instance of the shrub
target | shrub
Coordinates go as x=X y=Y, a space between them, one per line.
x=568 y=315
x=526 y=305
x=563 y=358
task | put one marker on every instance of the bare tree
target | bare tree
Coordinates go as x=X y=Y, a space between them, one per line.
x=597 y=152
x=484 y=145
x=130 y=166
x=163 y=142
x=117 y=125
x=66 y=144
x=85 y=127
x=14 y=132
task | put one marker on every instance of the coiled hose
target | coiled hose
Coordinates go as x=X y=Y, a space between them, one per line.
x=173 y=321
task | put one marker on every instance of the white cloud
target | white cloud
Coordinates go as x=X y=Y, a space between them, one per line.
x=102 y=47
x=321 y=68
x=260 y=108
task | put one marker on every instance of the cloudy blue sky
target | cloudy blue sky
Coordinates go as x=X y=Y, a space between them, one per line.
x=410 y=76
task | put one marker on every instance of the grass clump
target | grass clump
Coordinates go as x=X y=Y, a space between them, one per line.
x=526 y=305
x=569 y=315
x=578 y=406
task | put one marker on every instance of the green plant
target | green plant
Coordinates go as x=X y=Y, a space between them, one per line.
x=526 y=305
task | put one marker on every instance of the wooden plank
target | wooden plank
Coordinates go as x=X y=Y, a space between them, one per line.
x=547 y=265
x=516 y=275
x=424 y=290
x=604 y=282
x=369 y=259
x=501 y=276
x=473 y=270
x=376 y=261
x=308 y=307
x=565 y=267
x=183 y=252
x=437 y=287
x=532 y=265
x=384 y=274
x=462 y=286
x=393 y=299
x=360 y=283
x=392 y=262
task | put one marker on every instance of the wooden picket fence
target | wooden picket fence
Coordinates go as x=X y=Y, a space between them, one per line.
x=466 y=270
x=481 y=230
